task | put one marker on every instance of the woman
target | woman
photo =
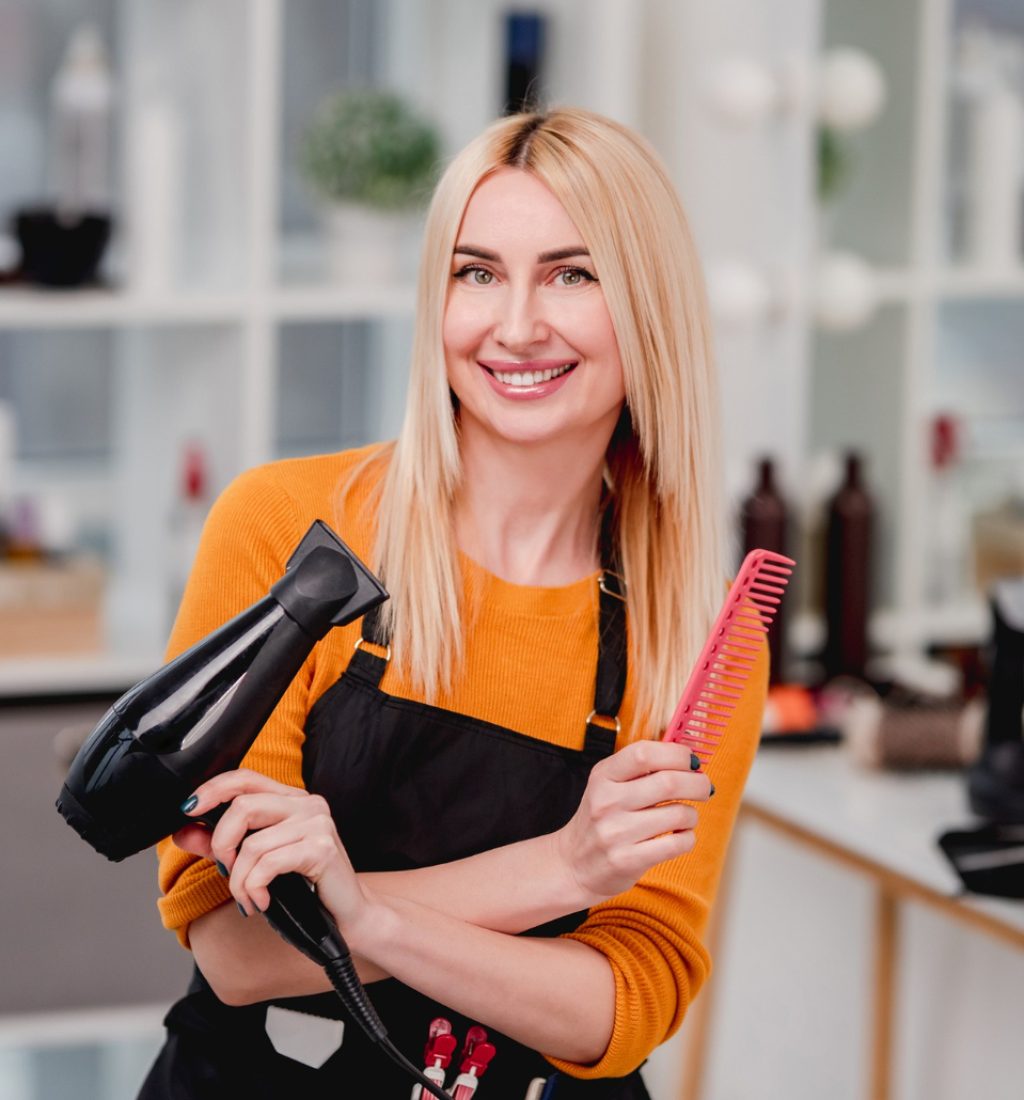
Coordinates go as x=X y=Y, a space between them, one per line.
x=491 y=765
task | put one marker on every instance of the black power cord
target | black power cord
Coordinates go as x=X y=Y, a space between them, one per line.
x=296 y=914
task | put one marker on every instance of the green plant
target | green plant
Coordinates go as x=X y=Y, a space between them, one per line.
x=834 y=164
x=370 y=147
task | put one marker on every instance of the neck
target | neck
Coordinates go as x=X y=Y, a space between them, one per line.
x=529 y=513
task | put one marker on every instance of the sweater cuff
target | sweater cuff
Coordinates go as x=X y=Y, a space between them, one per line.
x=200 y=889
x=610 y=1064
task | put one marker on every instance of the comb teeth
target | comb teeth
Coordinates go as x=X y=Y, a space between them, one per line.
x=720 y=674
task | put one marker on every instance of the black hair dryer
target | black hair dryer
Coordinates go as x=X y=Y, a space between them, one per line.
x=995 y=783
x=198 y=715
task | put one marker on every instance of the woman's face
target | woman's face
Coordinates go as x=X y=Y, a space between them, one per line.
x=529 y=344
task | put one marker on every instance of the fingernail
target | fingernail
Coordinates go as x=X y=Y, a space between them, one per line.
x=694 y=762
x=241 y=908
x=220 y=867
x=189 y=804
x=712 y=791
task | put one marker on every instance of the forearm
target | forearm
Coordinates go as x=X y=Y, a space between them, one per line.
x=246 y=961
x=507 y=889
x=554 y=995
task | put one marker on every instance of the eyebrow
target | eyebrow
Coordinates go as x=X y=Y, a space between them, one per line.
x=542 y=258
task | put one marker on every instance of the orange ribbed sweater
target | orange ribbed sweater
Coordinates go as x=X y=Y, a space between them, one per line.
x=520 y=650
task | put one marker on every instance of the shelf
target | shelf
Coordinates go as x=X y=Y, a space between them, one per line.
x=896 y=285
x=54 y=676
x=969 y=282
x=24 y=308
x=966 y=622
x=342 y=303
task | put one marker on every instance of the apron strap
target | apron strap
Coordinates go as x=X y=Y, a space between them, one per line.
x=364 y=664
x=610 y=681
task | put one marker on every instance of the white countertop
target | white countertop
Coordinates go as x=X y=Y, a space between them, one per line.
x=891 y=819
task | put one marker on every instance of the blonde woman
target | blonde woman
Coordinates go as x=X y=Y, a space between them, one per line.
x=481 y=759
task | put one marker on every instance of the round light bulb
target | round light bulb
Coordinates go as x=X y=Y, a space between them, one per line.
x=847 y=292
x=738 y=293
x=742 y=90
x=852 y=89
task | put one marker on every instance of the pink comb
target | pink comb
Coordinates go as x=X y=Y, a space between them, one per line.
x=717 y=680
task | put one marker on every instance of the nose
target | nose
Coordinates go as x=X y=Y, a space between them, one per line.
x=520 y=321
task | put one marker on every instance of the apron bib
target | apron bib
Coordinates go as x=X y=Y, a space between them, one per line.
x=409 y=785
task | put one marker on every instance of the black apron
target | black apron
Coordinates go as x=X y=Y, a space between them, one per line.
x=409 y=785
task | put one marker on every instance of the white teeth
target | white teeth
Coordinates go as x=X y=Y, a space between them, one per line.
x=531 y=377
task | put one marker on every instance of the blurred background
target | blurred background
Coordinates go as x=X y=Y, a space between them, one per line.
x=209 y=221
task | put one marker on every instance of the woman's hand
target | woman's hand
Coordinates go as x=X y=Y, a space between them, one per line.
x=269 y=829
x=633 y=815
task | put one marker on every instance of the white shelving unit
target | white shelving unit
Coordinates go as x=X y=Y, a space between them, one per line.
x=204 y=356
x=210 y=354
x=896 y=213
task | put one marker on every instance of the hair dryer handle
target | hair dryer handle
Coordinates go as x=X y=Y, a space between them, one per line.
x=295 y=911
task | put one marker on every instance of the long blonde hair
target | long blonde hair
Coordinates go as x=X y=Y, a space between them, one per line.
x=662 y=466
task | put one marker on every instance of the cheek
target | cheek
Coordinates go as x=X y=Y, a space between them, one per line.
x=462 y=328
x=598 y=335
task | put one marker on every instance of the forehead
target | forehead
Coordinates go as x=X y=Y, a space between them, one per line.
x=512 y=207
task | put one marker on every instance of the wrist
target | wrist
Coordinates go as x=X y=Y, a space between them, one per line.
x=371 y=927
x=572 y=895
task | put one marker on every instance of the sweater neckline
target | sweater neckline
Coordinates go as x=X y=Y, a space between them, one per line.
x=496 y=593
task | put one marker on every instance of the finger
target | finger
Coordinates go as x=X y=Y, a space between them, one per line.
x=643 y=757
x=633 y=860
x=664 y=786
x=228 y=785
x=194 y=839
x=308 y=856
x=256 y=846
x=666 y=846
x=249 y=812
x=641 y=825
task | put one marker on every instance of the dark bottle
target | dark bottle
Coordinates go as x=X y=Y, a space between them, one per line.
x=848 y=538
x=764 y=526
x=524 y=61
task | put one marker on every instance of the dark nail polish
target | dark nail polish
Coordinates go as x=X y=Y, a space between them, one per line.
x=694 y=762
x=241 y=908
x=189 y=804
x=712 y=791
x=220 y=867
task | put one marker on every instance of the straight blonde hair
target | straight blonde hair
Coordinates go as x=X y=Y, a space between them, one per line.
x=662 y=465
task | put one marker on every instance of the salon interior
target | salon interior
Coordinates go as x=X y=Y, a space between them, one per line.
x=186 y=291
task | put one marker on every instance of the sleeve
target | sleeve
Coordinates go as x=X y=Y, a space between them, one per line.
x=248 y=536
x=652 y=933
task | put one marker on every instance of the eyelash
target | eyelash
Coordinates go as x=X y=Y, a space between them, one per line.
x=582 y=271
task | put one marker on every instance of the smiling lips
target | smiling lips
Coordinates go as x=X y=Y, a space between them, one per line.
x=536 y=377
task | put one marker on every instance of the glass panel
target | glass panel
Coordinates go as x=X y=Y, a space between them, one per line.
x=870 y=214
x=979 y=379
x=328 y=45
x=59 y=383
x=985 y=143
x=340 y=385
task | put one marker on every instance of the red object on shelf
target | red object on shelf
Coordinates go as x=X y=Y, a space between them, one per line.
x=945 y=440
